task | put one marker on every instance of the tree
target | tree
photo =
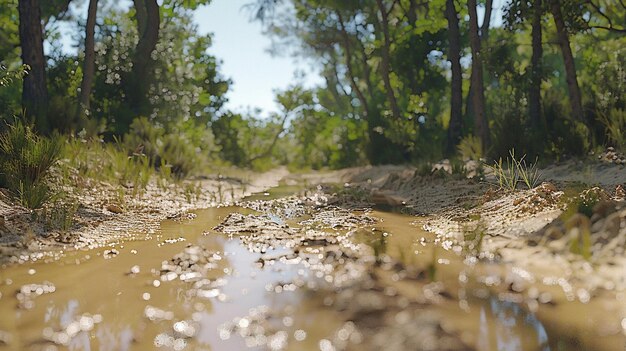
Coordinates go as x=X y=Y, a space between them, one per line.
x=568 y=60
x=385 y=64
x=455 y=127
x=82 y=110
x=484 y=36
x=138 y=80
x=34 y=91
x=478 y=97
x=534 y=91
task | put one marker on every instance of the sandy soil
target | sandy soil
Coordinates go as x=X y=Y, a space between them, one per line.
x=103 y=216
x=536 y=251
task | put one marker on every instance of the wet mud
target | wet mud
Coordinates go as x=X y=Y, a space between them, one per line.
x=276 y=272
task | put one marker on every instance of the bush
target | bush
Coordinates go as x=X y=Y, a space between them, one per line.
x=25 y=159
x=615 y=123
x=144 y=137
x=179 y=154
x=175 y=149
x=470 y=148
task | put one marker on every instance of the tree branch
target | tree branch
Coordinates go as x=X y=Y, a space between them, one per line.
x=599 y=11
x=611 y=29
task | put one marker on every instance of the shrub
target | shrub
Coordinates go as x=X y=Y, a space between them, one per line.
x=145 y=137
x=615 y=123
x=25 y=159
x=179 y=154
x=470 y=148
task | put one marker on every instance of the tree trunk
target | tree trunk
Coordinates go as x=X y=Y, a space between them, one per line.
x=138 y=80
x=385 y=64
x=82 y=111
x=455 y=128
x=34 y=92
x=478 y=97
x=348 y=57
x=484 y=29
x=534 y=93
x=568 y=58
x=484 y=36
x=141 y=16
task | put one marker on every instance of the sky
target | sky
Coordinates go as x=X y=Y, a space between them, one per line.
x=243 y=48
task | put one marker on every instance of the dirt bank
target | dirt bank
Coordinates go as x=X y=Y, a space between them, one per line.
x=106 y=213
x=556 y=263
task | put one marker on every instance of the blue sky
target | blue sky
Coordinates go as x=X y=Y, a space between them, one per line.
x=243 y=49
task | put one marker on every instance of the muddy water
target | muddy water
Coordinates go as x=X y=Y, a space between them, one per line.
x=116 y=298
x=98 y=283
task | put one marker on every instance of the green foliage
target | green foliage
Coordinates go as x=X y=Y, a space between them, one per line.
x=185 y=86
x=145 y=138
x=177 y=154
x=349 y=121
x=109 y=162
x=7 y=77
x=582 y=203
x=457 y=168
x=470 y=148
x=615 y=124
x=10 y=89
x=505 y=173
x=58 y=215
x=25 y=160
x=318 y=138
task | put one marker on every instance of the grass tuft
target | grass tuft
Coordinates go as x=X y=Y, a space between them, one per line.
x=25 y=161
x=512 y=171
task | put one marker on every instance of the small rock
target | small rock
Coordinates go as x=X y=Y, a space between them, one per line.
x=114 y=208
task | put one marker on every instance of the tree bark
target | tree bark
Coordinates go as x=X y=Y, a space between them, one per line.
x=478 y=97
x=138 y=80
x=82 y=111
x=484 y=29
x=367 y=72
x=484 y=36
x=141 y=16
x=385 y=64
x=568 y=58
x=34 y=91
x=348 y=57
x=455 y=128
x=534 y=93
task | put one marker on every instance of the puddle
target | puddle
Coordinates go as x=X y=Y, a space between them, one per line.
x=121 y=298
x=283 y=189
x=88 y=284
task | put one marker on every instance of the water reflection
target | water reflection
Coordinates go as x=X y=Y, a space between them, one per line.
x=510 y=328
